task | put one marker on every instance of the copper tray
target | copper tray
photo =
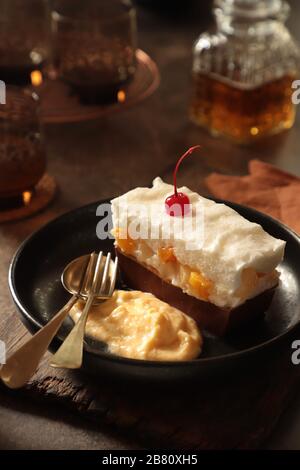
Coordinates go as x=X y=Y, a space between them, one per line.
x=59 y=105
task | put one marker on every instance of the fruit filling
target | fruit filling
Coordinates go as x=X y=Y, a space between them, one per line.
x=200 y=284
x=124 y=242
x=166 y=254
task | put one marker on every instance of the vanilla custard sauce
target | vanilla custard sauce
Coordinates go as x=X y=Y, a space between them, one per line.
x=137 y=325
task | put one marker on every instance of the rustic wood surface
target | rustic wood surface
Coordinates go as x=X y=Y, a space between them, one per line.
x=99 y=159
x=234 y=412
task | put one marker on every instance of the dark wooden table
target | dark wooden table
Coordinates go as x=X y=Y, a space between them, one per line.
x=104 y=158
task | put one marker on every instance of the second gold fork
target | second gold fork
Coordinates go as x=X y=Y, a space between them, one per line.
x=70 y=353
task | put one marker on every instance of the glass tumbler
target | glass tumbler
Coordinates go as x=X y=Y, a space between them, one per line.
x=24 y=39
x=22 y=154
x=94 y=46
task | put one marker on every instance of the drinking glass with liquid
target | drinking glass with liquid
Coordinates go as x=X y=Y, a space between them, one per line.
x=24 y=39
x=22 y=153
x=94 y=46
x=243 y=71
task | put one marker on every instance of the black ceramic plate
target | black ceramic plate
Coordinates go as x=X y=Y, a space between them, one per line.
x=34 y=280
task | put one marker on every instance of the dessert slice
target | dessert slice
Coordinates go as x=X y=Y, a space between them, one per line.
x=211 y=263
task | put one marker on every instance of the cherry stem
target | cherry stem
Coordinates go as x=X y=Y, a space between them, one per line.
x=188 y=152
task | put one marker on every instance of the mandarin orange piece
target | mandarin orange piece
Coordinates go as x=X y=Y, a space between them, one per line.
x=201 y=284
x=166 y=253
x=124 y=242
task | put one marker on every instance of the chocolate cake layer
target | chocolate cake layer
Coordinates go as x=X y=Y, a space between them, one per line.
x=208 y=316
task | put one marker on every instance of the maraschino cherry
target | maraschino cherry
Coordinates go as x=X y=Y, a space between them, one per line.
x=178 y=204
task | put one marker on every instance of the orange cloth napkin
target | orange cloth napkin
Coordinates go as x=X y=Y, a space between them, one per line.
x=266 y=188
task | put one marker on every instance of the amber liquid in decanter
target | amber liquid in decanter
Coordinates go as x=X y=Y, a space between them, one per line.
x=242 y=113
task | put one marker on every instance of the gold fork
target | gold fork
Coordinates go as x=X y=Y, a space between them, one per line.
x=70 y=353
x=22 y=364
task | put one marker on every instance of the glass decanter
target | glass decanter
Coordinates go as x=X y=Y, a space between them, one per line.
x=243 y=71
